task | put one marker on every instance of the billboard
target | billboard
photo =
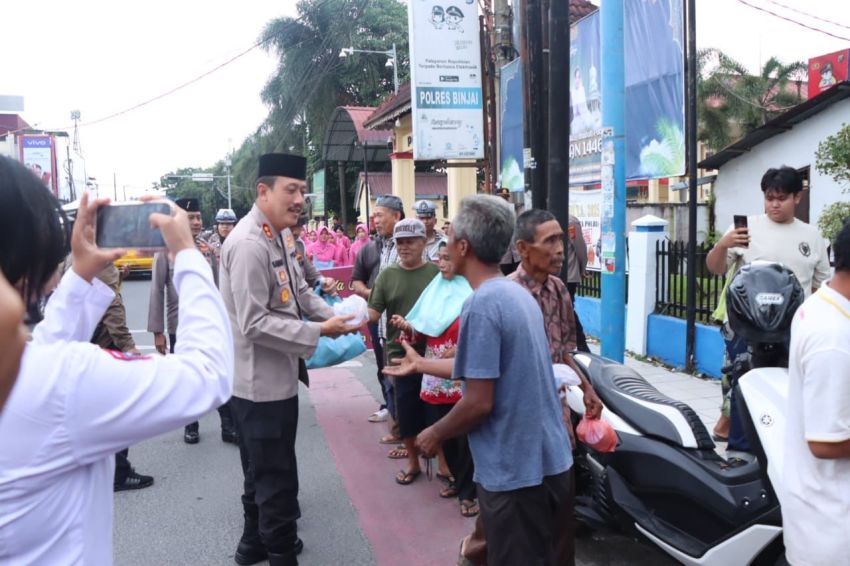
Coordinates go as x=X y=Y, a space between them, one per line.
x=446 y=89
x=37 y=152
x=587 y=207
x=827 y=71
x=655 y=93
x=510 y=150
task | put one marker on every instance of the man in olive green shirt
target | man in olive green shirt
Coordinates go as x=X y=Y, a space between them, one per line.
x=395 y=292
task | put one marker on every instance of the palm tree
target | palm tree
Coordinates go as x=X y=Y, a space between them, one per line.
x=734 y=102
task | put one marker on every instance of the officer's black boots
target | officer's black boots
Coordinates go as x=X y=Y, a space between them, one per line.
x=191 y=434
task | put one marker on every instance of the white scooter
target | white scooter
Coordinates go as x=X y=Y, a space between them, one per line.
x=665 y=479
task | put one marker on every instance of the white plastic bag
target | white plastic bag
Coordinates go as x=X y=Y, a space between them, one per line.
x=565 y=375
x=356 y=305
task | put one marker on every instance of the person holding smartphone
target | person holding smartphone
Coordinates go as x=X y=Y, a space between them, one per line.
x=777 y=236
x=74 y=404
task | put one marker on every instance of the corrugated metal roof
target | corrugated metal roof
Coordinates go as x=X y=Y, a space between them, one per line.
x=346 y=136
x=780 y=124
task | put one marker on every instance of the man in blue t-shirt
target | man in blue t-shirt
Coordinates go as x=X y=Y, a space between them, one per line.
x=510 y=408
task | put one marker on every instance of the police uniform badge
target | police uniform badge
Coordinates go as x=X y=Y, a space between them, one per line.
x=290 y=241
x=284 y=295
x=267 y=230
x=282 y=277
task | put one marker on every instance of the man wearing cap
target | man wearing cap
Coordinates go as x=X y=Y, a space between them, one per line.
x=276 y=324
x=225 y=220
x=395 y=292
x=163 y=300
x=426 y=212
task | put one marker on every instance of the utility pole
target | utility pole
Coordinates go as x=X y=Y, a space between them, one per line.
x=691 y=143
x=534 y=131
x=227 y=164
x=558 y=165
x=613 y=182
x=115 y=185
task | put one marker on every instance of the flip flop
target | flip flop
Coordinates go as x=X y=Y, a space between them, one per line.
x=389 y=439
x=407 y=478
x=469 y=508
x=717 y=438
x=449 y=491
x=445 y=478
x=399 y=453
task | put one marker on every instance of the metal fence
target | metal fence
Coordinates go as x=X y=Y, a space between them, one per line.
x=591 y=286
x=671 y=282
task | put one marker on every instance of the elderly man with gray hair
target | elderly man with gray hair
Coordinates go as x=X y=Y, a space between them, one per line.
x=510 y=409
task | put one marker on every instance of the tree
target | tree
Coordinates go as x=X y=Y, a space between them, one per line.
x=833 y=159
x=734 y=102
x=311 y=78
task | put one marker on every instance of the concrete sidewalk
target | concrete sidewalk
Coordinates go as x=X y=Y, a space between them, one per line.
x=702 y=395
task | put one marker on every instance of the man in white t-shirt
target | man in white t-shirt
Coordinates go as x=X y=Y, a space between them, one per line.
x=816 y=503
x=778 y=236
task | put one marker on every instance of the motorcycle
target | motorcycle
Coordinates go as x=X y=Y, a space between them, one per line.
x=666 y=480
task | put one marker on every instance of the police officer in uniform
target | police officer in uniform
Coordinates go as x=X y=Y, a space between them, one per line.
x=275 y=320
x=162 y=291
x=426 y=212
x=225 y=220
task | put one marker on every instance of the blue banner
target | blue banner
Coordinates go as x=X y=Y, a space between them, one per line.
x=511 y=174
x=655 y=83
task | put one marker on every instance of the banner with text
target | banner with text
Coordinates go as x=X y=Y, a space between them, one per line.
x=446 y=92
x=587 y=207
x=655 y=93
x=345 y=288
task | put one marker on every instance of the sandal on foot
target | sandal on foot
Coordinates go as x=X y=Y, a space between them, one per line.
x=445 y=478
x=449 y=491
x=469 y=508
x=399 y=453
x=389 y=439
x=407 y=478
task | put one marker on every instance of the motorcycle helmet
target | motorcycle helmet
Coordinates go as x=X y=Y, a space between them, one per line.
x=225 y=216
x=761 y=302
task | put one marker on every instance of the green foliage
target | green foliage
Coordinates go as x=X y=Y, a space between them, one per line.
x=833 y=157
x=832 y=219
x=733 y=102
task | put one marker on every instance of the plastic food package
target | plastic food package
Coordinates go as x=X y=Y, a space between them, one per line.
x=565 y=375
x=597 y=434
x=355 y=305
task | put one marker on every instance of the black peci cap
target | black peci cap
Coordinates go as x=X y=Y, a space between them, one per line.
x=282 y=165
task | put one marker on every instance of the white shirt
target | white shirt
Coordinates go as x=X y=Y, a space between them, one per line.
x=797 y=245
x=816 y=505
x=75 y=405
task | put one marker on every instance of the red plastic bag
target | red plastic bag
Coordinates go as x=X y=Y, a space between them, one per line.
x=597 y=434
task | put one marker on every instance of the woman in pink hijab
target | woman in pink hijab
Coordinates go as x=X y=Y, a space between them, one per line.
x=361 y=239
x=324 y=250
x=343 y=244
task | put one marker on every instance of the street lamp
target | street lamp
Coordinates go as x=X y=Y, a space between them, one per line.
x=392 y=59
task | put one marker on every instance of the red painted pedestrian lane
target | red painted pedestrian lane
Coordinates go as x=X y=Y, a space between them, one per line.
x=405 y=525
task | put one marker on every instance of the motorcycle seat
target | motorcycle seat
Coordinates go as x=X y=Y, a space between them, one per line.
x=641 y=405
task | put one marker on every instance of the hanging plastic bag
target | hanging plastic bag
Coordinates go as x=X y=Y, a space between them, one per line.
x=334 y=351
x=597 y=434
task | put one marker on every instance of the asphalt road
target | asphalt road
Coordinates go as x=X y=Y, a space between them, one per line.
x=192 y=513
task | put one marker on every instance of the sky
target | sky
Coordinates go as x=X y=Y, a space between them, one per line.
x=100 y=57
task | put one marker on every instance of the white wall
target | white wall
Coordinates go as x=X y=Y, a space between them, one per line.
x=737 y=187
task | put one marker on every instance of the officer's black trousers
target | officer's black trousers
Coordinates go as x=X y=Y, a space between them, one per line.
x=267 y=448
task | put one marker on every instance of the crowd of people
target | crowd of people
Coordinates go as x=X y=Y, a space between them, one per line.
x=465 y=359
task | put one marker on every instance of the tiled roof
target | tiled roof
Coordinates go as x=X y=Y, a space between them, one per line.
x=580 y=9
x=391 y=108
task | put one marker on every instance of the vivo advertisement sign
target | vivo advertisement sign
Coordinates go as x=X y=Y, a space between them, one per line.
x=36 y=152
x=445 y=65
x=655 y=93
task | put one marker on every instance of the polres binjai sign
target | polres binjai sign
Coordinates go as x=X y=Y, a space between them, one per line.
x=445 y=63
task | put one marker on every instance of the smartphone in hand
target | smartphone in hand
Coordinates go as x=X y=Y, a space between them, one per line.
x=127 y=225
x=740 y=221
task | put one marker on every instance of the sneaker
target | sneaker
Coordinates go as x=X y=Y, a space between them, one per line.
x=379 y=416
x=133 y=481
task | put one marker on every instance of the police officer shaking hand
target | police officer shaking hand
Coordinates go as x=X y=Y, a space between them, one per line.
x=277 y=321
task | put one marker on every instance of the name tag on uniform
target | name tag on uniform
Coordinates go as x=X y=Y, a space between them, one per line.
x=277 y=263
x=282 y=277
